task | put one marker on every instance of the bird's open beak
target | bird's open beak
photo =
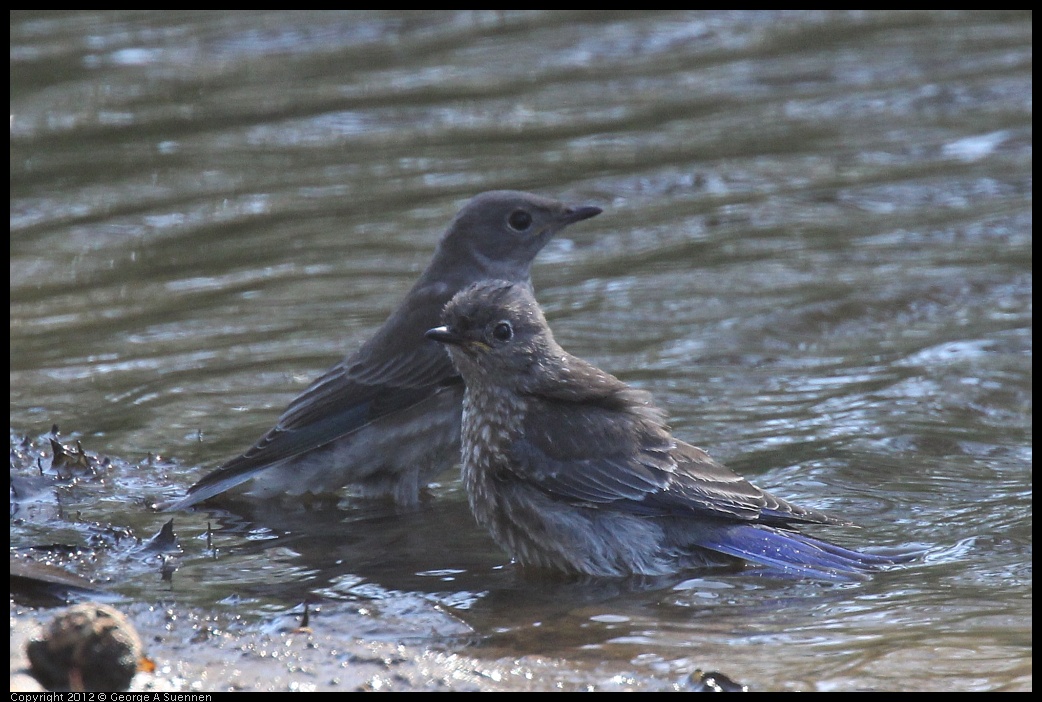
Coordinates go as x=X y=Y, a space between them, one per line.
x=444 y=335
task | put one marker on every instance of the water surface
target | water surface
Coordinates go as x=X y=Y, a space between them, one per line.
x=815 y=252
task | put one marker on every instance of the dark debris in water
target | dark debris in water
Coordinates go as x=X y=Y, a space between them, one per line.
x=713 y=682
x=44 y=585
x=48 y=474
x=34 y=469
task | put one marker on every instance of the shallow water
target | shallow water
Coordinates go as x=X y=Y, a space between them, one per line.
x=815 y=252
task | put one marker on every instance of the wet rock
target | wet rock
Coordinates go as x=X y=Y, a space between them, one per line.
x=88 y=647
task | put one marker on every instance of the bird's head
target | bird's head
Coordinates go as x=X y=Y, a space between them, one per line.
x=493 y=326
x=499 y=233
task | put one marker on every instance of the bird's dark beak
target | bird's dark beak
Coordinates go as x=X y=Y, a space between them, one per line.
x=578 y=214
x=444 y=335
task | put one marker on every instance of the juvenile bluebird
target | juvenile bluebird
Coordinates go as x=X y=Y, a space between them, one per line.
x=386 y=419
x=570 y=469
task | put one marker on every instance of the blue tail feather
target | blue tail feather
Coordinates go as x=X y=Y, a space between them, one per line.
x=793 y=553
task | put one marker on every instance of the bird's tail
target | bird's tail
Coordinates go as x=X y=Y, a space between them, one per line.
x=795 y=554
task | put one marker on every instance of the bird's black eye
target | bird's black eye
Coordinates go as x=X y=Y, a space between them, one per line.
x=519 y=220
x=502 y=331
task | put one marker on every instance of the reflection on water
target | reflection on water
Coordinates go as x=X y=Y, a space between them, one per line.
x=815 y=252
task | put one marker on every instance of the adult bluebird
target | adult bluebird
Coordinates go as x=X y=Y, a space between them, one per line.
x=572 y=470
x=386 y=419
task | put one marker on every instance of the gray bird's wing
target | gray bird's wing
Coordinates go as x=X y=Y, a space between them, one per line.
x=590 y=452
x=347 y=397
x=367 y=386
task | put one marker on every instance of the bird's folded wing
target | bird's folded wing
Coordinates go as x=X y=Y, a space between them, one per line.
x=587 y=453
x=346 y=398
